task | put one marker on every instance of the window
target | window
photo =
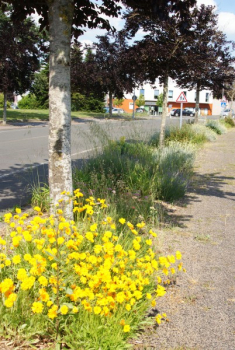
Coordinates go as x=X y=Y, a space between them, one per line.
x=170 y=94
x=207 y=97
x=142 y=92
x=156 y=94
x=130 y=105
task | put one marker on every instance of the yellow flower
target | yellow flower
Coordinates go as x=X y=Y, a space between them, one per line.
x=148 y=241
x=44 y=296
x=28 y=283
x=27 y=257
x=128 y=307
x=16 y=259
x=160 y=291
x=158 y=319
x=126 y=328
x=22 y=274
x=7 y=284
x=8 y=262
x=153 y=303
x=43 y=281
x=10 y=300
x=75 y=309
x=64 y=309
x=38 y=209
x=18 y=210
x=178 y=255
x=90 y=237
x=37 y=307
x=52 y=312
x=97 y=248
x=97 y=310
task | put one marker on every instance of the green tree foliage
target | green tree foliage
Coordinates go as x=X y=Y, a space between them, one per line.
x=19 y=54
x=159 y=102
x=140 y=101
x=28 y=102
x=40 y=87
x=118 y=102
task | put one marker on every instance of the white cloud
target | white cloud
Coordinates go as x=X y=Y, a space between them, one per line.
x=226 y=23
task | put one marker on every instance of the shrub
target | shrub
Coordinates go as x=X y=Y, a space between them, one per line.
x=207 y=133
x=87 y=283
x=28 y=102
x=229 y=122
x=216 y=126
x=175 y=166
x=81 y=102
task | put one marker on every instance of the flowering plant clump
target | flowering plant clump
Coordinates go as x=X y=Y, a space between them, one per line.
x=65 y=272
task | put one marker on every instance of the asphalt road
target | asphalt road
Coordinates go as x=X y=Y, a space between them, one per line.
x=24 y=151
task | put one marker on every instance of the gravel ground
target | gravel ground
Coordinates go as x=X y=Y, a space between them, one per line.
x=201 y=305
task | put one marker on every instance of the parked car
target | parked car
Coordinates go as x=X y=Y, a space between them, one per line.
x=172 y=111
x=185 y=112
x=117 y=111
x=139 y=110
x=227 y=112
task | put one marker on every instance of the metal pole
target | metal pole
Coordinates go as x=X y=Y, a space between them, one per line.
x=181 y=115
x=133 y=115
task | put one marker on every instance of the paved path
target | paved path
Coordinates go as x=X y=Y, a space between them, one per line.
x=201 y=306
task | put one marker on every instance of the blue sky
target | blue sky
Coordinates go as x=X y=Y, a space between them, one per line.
x=224 y=8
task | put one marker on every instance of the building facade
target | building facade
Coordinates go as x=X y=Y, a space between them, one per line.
x=151 y=95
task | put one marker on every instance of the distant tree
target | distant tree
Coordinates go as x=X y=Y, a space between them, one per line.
x=210 y=62
x=118 y=102
x=161 y=51
x=40 y=87
x=140 y=101
x=111 y=63
x=159 y=102
x=19 y=55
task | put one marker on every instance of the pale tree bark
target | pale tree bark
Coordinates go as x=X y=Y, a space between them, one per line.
x=60 y=171
x=197 y=104
x=164 y=112
x=110 y=103
x=4 y=120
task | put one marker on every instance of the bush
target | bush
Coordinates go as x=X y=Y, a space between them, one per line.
x=28 y=102
x=229 y=122
x=86 y=103
x=216 y=126
x=207 y=133
x=87 y=283
x=175 y=167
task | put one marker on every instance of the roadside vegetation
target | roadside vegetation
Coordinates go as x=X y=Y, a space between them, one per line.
x=90 y=283
x=43 y=114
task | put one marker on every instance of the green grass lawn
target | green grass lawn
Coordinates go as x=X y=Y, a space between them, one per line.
x=43 y=114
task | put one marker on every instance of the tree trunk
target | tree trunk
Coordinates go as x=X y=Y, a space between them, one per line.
x=110 y=103
x=197 y=104
x=4 y=121
x=164 y=112
x=60 y=170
